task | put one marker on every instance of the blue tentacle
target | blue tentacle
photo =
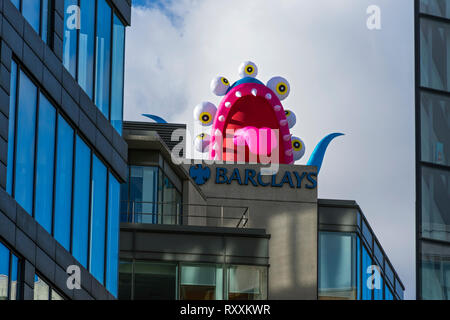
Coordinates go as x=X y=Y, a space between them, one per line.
x=155 y=118
x=318 y=154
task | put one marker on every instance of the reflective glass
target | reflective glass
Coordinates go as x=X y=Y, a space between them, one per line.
x=436 y=204
x=117 y=74
x=337 y=266
x=41 y=289
x=388 y=293
x=378 y=254
x=125 y=278
x=56 y=296
x=435 y=271
x=440 y=8
x=367 y=274
x=26 y=123
x=124 y=203
x=86 y=47
x=11 y=128
x=171 y=203
x=31 y=10
x=112 y=253
x=378 y=290
x=155 y=281
x=4 y=272
x=358 y=267
x=103 y=57
x=399 y=289
x=434 y=53
x=98 y=219
x=44 y=164
x=247 y=283
x=198 y=282
x=71 y=19
x=45 y=13
x=143 y=194
x=14 y=278
x=16 y=3
x=367 y=235
x=82 y=180
x=63 y=183
x=435 y=128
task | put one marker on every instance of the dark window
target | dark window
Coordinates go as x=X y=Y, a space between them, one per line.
x=440 y=8
x=155 y=281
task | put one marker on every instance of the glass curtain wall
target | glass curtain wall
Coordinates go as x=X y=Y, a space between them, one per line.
x=433 y=147
x=36 y=12
x=9 y=274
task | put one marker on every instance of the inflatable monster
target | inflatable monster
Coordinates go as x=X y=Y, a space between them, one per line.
x=251 y=123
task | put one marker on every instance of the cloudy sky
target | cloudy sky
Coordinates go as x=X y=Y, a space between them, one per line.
x=343 y=76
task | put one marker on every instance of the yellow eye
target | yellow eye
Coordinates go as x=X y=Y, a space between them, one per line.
x=225 y=81
x=201 y=142
x=248 y=69
x=219 y=86
x=291 y=118
x=202 y=136
x=280 y=87
x=287 y=113
x=204 y=113
x=298 y=148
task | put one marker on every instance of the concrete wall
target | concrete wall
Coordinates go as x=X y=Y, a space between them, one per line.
x=289 y=215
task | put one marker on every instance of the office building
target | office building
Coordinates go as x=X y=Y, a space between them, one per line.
x=62 y=157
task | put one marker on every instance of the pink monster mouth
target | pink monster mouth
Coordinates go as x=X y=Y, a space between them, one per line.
x=251 y=116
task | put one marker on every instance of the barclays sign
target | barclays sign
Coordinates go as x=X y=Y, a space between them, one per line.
x=246 y=177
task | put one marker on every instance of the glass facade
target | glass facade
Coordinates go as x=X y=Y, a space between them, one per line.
x=57 y=178
x=44 y=291
x=93 y=53
x=146 y=280
x=9 y=274
x=36 y=12
x=433 y=148
x=150 y=197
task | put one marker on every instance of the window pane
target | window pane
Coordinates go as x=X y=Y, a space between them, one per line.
x=117 y=74
x=171 y=206
x=14 y=278
x=367 y=235
x=4 y=272
x=337 y=266
x=440 y=8
x=82 y=180
x=155 y=281
x=435 y=128
x=388 y=293
x=435 y=271
x=434 y=53
x=143 y=194
x=41 y=289
x=366 y=263
x=399 y=289
x=56 y=296
x=26 y=122
x=125 y=270
x=45 y=14
x=247 y=283
x=103 y=57
x=63 y=183
x=31 y=10
x=98 y=219
x=71 y=18
x=86 y=47
x=198 y=282
x=125 y=207
x=378 y=290
x=435 y=204
x=112 y=254
x=11 y=128
x=16 y=3
x=44 y=164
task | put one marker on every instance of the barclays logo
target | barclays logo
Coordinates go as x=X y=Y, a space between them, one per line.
x=200 y=174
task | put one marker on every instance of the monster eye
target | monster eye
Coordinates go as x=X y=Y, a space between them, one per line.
x=280 y=86
x=298 y=147
x=291 y=118
x=205 y=113
x=248 y=69
x=220 y=86
x=201 y=142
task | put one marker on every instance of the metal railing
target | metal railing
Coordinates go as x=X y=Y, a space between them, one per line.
x=177 y=213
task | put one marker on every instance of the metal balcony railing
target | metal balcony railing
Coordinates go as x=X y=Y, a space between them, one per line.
x=177 y=213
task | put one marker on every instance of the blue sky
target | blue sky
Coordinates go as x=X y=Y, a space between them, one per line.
x=343 y=77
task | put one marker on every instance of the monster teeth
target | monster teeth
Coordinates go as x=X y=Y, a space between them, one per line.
x=268 y=96
x=289 y=152
x=216 y=146
x=227 y=104
x=222 y=118
x=238 y=94
x=283 y=122
x=217 y=133
x=277 y=108
x=254 y=92
x=287 y=137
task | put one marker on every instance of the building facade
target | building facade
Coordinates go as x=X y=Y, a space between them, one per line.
x=62 y=157
x=432 y=37
x=210 y=231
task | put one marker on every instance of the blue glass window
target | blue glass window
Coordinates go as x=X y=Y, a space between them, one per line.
x=26 y=123
x=4 y=272
x=378 y=291
x=117 y=74
x=14 y=285
x=44 y=13
x=71 y=22
x=143 y=204
x=63 y=183
x=388 y=293
x=11 y=128
x=82 y=180
x=31 y=10
x=112 y=254
x=358 y=267
x=44 y=164
x=98 y=219
x=366 y=283
x=103 y=57
x=16 y=3
x=86 y=47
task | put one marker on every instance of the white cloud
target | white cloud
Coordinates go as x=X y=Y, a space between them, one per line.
x=344 y=78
